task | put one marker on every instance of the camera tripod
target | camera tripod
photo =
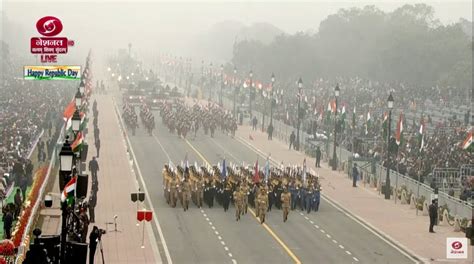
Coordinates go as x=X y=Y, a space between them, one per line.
x=115 y=225
x=101 y=251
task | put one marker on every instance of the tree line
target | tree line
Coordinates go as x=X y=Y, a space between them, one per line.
x=407 y=45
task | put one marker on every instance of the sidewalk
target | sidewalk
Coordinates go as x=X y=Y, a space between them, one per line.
x=113 y=199
x=397 y=222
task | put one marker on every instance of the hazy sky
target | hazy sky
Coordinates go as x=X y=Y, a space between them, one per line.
x=153 y=25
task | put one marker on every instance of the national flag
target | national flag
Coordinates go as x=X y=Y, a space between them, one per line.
x=367 y=123
x=304 y=171
x=69 y=111
x=224 y=170
x=68 y=191
x=354 y=118
x=421 y=136
x=84 y=121
x=467 y=143
x=256 y=177
x=343 y=118
x=399 y=132
x=385 y=125
x=77 y=143
x=267 y=168
x=328 y=112
x=333 y=106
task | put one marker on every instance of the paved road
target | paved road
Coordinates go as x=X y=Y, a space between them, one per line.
x=213 y=236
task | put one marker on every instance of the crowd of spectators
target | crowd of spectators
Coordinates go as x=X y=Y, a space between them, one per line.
x=26 y=109
x=443 y=131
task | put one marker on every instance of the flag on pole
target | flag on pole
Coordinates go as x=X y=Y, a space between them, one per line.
x=304 y=172
x=385 y=125
x=267 y=168
x=421 y=136
x=69 y=111
x=367 y=123
x=354 y=118
x=343 y=118
x=328 y=112
x=224 y=170
x=256 y=178
x=77 y=143
x=467 y=143
x=84 y=121
x=399 y=133
x=68 y=191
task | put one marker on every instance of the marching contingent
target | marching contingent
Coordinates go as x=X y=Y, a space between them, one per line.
x=288 y=188
x=180 y=117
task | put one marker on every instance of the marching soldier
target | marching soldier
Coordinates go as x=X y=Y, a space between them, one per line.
x=238 y=201
x=262 y=201
x=227 y=195
x=186 y=192
x=245 y=191
x=286 y=201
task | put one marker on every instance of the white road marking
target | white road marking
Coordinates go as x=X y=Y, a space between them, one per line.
x=217 y=233
x=306 y=218
x=230 y=254
x=207 y=219
x=354 y=258
x=223 y=243
x=335 y=241
x=234 y=261
x=341 y=246
x=377 y=232
x=226 y=248
x=210 y=223
x=202 y=211
x=316 y=226
x=311 y=221
x=348 y=252
x=205 y=215
x=329 y=236
x=213 y=228
x=219 y=237
x=322 y=231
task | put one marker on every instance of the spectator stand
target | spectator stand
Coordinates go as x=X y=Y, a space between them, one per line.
x=7 y=184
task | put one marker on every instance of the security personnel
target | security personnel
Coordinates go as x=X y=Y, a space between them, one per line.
x=286 y=202
x=239 y=203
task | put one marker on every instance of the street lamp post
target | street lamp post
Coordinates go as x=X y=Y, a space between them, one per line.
x=66 y=160
x=221 y=103
x=264 y=109
x=210 y=81
x=300 y=89
x=271 y=101
x=235 y=90
x=250 y=94
x=334 y=155
x=78 y=99
x=387 y=179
